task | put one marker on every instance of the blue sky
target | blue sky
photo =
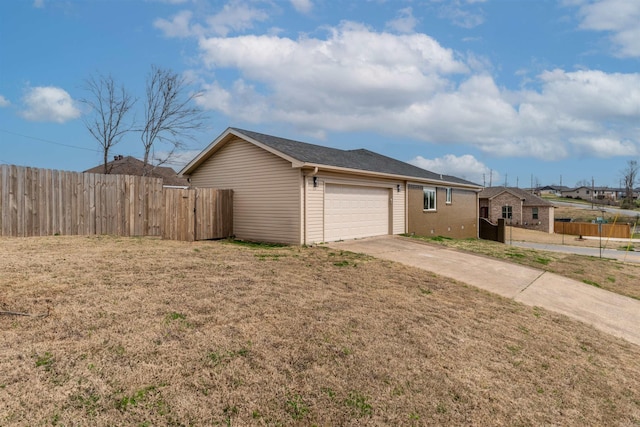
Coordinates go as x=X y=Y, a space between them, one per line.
x=519 y=91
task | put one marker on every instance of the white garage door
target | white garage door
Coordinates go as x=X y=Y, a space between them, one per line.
x=351 y=212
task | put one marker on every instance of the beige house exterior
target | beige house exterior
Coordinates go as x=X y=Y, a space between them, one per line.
x=518 y=207
x=297 y=193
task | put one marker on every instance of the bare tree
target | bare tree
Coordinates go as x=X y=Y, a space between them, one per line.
x=629 y=179
x=170 y=115
x=110 y=103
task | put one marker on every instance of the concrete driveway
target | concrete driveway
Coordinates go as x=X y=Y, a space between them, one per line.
x=607 y=311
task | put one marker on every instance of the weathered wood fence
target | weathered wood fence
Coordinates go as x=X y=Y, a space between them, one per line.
x=621 y=231
x=43 y=202
x=197 y=214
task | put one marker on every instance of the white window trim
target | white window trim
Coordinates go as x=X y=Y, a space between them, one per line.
x=449 y=195
x=435 y=198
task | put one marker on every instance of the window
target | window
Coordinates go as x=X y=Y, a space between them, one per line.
x=449 y=191
x=507 y=211
x=429 y=199
x=535 y=213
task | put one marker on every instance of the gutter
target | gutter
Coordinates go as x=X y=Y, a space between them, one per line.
x=361 y=172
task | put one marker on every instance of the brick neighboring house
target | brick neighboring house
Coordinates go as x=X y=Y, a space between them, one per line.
x=526 y=210
x=127 y=165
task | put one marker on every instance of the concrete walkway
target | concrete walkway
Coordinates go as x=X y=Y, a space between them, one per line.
x=607 y=311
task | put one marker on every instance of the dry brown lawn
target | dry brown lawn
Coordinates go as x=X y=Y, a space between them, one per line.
x=152 y=332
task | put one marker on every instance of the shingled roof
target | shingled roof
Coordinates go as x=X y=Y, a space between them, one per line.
x=360 y=159
x=127 y=165
x=528 y=198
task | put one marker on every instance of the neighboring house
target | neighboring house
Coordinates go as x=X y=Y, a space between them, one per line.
x=127 y=165
x=293 y=192
x=552 y=190
x=519 y=208
x=593 y=193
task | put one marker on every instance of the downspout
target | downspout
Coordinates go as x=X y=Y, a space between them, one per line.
x=478 y=213
x=406 y=207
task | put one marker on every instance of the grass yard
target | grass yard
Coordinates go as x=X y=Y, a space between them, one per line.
x=610 y=274
x=150 y=332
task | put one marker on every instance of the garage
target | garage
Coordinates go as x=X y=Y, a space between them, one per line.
x=352 y=212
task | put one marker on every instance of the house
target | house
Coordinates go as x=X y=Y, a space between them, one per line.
x=127 y=165
x=297 y=193
x=519 y=207
x=551 y=190
x=593 y=193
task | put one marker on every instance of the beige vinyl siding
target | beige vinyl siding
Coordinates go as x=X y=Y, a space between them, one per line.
x=266 y=198
x=399 y=209
x=315 y=209
x=315 y=201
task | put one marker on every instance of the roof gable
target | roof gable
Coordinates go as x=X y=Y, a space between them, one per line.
x=305 y=154
x=528 y=199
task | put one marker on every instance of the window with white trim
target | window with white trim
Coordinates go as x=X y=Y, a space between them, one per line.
x=448 y=193
x=429 y=198
x=507 y=212
x=535 y=213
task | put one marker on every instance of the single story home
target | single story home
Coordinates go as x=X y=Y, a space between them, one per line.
x=552 y=190
x=593 y=193
x=128 y=165
x=297 y=193
x=518 y=207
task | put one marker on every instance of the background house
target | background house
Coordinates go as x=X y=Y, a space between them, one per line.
x=298 y=193
x=519 y=207
x=551 y=190
x=594 y=193
x=127 y=165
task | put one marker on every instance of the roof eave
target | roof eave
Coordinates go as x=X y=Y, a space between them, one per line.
x=388 y=175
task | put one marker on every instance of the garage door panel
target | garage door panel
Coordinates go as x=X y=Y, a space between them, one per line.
x=352 y=212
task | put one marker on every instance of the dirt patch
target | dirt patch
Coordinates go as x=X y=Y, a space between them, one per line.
x=151 y=332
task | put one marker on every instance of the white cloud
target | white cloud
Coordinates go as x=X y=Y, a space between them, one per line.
x=356 y=79
x=4 y=102
x=302 y=6
x=405 y=22
x=49 y=104
x=621 y=18
x=461 y=14
x=465 y=167
x=235 y=16
x=38 y=4
x=178 y=26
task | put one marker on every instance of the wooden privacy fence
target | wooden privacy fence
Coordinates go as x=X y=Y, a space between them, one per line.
x=622 y=231
x=197 y=214
x=43 y=202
